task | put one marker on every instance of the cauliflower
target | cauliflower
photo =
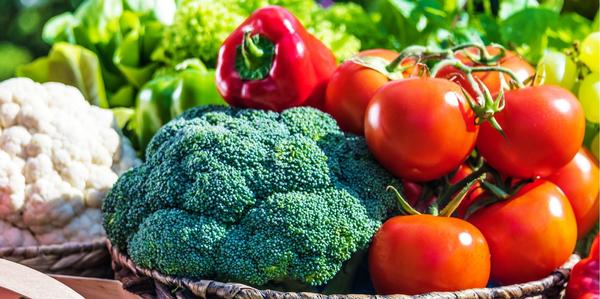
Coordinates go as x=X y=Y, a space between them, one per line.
x=59 y=157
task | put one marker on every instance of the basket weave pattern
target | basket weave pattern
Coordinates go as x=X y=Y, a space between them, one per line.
x=152 y=284
x=90 y=259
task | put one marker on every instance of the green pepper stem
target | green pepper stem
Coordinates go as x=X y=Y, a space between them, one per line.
x=403 y=203
x=250 y=51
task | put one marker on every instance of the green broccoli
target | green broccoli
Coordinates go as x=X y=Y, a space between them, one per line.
x=251 y=196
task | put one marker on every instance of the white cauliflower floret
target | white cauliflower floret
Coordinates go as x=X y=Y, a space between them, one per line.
x=59 y=157
x=85 y=227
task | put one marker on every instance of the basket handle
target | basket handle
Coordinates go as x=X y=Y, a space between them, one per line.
x=31 y=283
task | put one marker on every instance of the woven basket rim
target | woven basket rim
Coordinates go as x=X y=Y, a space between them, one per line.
x=199 y=287
x=53 y=249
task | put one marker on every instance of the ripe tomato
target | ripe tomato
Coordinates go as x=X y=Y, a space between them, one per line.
x=530 y=234
x=420 y=128
x=492 y=81
x=579 y=181
x=350 y=89
x=424 y=253
x=544 y=127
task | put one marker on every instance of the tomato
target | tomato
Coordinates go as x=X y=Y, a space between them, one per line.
x=492 y=80
x=530 y=234
x=579 y=180
x=544 y=128
x=350 y=89
x=424 y=253
x=420 y=128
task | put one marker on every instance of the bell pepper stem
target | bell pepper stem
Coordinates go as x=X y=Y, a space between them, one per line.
x=250 y=51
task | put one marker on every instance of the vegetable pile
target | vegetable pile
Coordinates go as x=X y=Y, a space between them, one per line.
x=59 y=156
x=250 y=196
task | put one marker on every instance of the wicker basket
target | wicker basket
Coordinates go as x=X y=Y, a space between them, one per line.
x=90 y=259
x=152 y=284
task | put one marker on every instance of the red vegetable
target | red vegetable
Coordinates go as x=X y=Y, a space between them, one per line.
x=271 y=62
x=420 y=128
x=351 y=88
x=530 y=234
x=584 y=282
x=492 y=80
x=423 y=253
x=543 y=127
x=579 y=181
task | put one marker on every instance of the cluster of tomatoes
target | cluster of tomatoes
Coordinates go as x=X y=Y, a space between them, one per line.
x=513 y=217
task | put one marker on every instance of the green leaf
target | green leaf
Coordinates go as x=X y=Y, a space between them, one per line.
x=526 y=31
x=18 y=56
x=72 y=65
x=99 y=18
x=571 y=27
x=555 y=5
x=59 y=28
x=509 y=7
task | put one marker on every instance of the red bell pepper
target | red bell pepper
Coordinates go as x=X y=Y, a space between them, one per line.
x=584 y=282
x=271 y=62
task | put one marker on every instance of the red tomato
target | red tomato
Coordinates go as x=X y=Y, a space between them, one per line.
x=350 y=89
x=424 y=253
x=420 y=128
x=579 y=181
x=544 y=127
x=492 y=81
x=530 y=234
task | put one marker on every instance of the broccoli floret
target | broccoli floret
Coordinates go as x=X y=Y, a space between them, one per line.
x=169 y=238
x=250 y=196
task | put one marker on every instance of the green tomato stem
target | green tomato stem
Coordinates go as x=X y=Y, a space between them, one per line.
x=445 y=198
x=403 y=203
x=455 y=202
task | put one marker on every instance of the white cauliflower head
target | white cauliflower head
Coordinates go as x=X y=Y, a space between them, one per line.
x=59 y=156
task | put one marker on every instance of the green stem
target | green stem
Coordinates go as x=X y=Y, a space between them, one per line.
x=444 y=199
x=497 y=191
x=403 y=203
x=457 y=200
x=504 y=70
x=250 y=51
x=409 y=51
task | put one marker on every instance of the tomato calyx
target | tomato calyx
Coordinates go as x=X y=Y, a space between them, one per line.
x=497 y=189
x=484 y=106
x=450 y=198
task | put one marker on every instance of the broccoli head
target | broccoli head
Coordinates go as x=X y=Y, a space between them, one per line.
x=250 y=196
